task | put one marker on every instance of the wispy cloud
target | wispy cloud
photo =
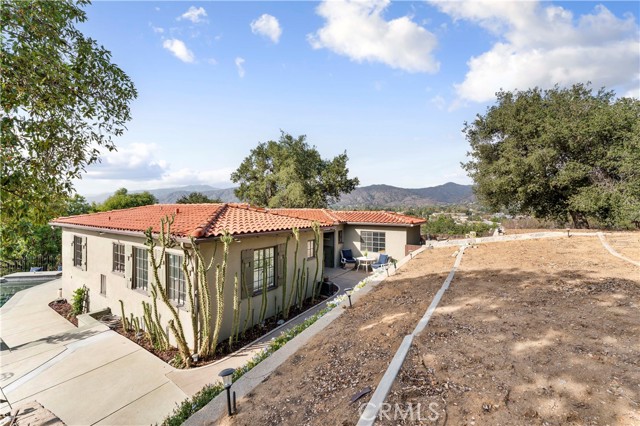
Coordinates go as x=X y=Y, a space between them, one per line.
x=267 y=26
x=135 y=166
x=358 y=30
x=179 y=50
x=240 y=66
x=194 y=14
x=134 y=162
x=157 y=30
x=542 y=45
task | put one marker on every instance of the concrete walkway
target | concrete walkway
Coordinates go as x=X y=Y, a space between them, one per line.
x=93 y=375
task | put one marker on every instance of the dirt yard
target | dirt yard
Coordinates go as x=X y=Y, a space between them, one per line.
x=536 y=332
x=530 y=332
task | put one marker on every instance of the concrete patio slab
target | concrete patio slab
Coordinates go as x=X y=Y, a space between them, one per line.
x=78 y=358
x=15 y=355
x=93 y=396
x=144 y=410
x=9 y=373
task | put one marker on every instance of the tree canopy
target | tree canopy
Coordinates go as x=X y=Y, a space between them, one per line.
x=290 y=173
x=197 y=198
x=122 y=199
x=62 y=102
x=559 y=153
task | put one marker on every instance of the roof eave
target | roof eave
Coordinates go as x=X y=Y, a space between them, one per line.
x=112 y=231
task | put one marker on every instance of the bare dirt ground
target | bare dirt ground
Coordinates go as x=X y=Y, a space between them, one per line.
x=535 y=332
x=627 y=244
x=315 y=385
x=530 y=332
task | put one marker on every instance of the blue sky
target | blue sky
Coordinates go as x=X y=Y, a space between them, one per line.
x=390 y=83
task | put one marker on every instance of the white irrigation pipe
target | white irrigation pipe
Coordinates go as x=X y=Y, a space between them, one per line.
x=613 y=252
x=368 y=416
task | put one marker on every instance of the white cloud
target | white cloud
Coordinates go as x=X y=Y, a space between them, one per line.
x=157 y=30
x=195 y=15
x=267 y=26
x=190 y=176
x=439 y=102
x=135 y=167
x=240 y=66
x=134 y=162
x=543 y=45
x=358 y=30
x=179 y=49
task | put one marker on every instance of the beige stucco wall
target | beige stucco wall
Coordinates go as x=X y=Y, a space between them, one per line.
x=100 y=257
x=396 y=238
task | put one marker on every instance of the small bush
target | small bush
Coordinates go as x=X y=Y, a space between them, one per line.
x=77 y=300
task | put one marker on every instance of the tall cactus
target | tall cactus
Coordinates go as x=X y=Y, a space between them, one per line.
x=263 y=305
x=221 y=273
x=125 y=326
x=317 y=237
x=175 y=325
x=285 y=311
x=245 y=290
x=301 y=284
x=235 y=324
x=294 y=281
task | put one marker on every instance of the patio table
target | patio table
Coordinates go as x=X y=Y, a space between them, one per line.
x=366 y=261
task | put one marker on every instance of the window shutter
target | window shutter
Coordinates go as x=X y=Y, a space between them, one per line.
x=280 y=252
x=246 y=273
x=128 y=265
x=84 y=253
x=73 y=250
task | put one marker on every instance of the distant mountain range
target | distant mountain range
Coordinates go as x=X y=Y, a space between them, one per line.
x=391 y=196
x=373 y=196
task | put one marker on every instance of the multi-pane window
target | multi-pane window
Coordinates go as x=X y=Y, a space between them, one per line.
x=372 y=241
x=118 y=258
x=264 y=270
x=103 y=284
x=77 y=251
x=140 y=268
x=175 y=279
x=311 y=248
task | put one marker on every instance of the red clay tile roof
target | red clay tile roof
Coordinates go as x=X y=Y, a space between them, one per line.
x=377 y=217
x=197 y=220
x=334 y=217
x=323 y=216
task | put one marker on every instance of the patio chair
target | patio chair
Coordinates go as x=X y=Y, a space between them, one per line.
x=347 y=257
x=383 y=263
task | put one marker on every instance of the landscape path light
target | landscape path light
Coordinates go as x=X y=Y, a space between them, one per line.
x=227 y=381
x=348 y=292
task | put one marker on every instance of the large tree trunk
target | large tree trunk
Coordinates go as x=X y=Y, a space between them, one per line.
x=579 y=220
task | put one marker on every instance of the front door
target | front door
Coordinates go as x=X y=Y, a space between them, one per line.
x=328 y=249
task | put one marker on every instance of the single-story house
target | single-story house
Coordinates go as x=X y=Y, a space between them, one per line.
x=362 y=231
x=106 y=251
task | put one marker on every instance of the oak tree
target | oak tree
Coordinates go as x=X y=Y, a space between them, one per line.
x=290 y=173
x=559 y=153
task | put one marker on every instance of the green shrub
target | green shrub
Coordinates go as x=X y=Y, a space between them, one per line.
x=77 y=300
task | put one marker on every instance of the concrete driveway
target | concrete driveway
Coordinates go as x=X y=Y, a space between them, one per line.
x=86 y=375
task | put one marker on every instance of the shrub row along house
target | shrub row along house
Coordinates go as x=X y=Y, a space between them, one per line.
x=254 y=263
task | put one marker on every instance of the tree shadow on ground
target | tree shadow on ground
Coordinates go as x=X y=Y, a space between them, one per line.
x=509 y=346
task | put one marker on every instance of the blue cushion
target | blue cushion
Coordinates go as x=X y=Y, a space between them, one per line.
x=347 y=254
x=35 y=269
